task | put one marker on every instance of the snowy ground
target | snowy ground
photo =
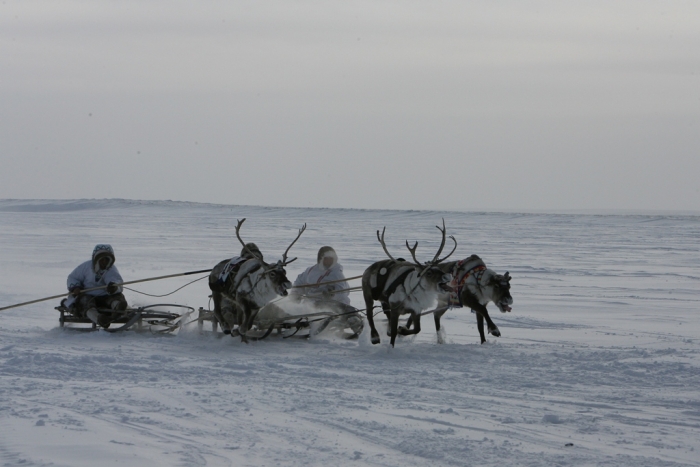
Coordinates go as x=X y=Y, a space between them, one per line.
x=601 y=351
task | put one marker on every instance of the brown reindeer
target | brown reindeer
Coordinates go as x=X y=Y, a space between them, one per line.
x=241 y=291
x=404 y=288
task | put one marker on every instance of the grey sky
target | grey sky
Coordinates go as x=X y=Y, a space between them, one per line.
x=366 y=104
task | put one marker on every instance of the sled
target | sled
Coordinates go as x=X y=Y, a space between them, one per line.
x=345 y=320
x=158 y=319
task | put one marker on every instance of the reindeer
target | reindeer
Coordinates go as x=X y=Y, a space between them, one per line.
x=248 y=287
x=474 y=286
x=402 y=287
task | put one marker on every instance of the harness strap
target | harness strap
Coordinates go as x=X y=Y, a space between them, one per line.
x=398 y=281
x=224 y=278
x=233 y=265
x=477 y=275
x=477 y=271
x=237 y=280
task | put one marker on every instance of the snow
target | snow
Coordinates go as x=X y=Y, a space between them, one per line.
x=601 y=350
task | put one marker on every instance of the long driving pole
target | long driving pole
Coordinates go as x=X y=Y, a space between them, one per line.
x=104 y=287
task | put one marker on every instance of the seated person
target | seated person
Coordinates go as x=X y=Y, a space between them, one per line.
x=321 y=296
x=100 y=271
x=326 y=269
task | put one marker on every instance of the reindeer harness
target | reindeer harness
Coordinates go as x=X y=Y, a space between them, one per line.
x=389 y=290
x=232 y=267
x=474 y=267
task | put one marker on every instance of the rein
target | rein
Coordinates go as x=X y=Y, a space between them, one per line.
x=333 y=292
x=104 y=287
x=325 y=283
x=167 y=294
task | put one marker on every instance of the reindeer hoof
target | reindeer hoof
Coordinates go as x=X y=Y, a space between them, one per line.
x=227 y=331
x=495 y=332
x=441 y=336
x=375 y=339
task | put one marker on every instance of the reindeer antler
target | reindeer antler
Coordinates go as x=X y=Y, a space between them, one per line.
x=451 y=252
x=245 y=247
x=413 y=253
x=284 y=256
x=381 y=240
x=435 y=259
x=442 y=245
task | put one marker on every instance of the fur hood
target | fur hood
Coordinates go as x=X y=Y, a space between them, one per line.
x=327 y=252
x=102 y=251
x=253 y=248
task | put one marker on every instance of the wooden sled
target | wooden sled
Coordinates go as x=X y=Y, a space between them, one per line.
x=346 y=322
x=158 y=319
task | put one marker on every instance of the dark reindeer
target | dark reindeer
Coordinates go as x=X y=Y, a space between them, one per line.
x=474 y=286
x=248 y=288
x=402 y=287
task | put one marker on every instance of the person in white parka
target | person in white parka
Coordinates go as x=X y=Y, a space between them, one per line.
x=326 y=269
x=100 y=271
x=312 y=289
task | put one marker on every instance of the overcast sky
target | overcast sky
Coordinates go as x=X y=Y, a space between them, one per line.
x=462 y=105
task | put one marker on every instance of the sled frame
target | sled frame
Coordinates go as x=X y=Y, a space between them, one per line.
x=143 y=318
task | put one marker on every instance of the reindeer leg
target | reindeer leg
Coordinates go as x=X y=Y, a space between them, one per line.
x=394 y=325
x=230 y=319
x=216 y=297
x=481 y=315
x=484 y=313
x=386 y=308
x=409 y=322
x=244 y=339
x=480 y=327
x=440 y=334
x=243 y=317
x=369 y=307
x=404 y=331
x=229 y=311
x=218 y=314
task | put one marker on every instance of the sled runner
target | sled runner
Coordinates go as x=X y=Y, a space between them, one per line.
x=345 y=320
x=157 y=319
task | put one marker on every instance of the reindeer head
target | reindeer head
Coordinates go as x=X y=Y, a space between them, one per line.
x=428 y=271
x=500 y=291
x=274 y=275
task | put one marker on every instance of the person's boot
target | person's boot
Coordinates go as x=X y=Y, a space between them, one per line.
x=93 y=315
x=97 y=318
x=118 y=305
x=104 y=320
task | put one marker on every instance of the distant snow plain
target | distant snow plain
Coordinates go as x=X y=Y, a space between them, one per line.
x=598 y=363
